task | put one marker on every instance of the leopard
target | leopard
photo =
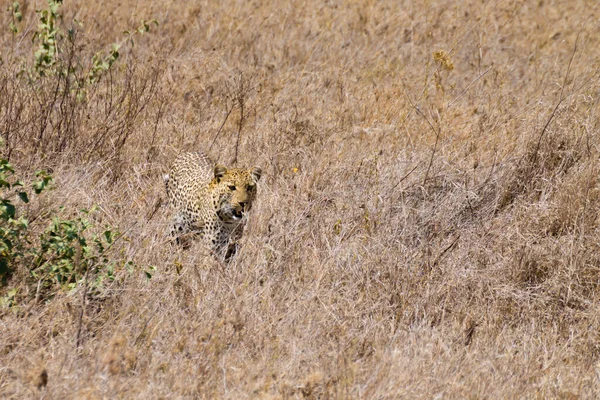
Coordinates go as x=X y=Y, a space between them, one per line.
x=210 y=201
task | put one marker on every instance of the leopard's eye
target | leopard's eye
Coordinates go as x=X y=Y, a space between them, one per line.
x=251 y=187
x=231 y=187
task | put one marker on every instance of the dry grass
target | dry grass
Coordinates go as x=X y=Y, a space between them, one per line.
x=420 y=232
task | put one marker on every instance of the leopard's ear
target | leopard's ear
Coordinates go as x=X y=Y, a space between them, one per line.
x=220 y=172
x=256 y=172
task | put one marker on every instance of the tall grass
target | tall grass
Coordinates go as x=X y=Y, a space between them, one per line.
x=427 y=225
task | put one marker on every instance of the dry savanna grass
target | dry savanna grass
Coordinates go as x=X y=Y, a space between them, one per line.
x=426 y=225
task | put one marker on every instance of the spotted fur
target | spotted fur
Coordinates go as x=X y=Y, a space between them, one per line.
x=210 y=201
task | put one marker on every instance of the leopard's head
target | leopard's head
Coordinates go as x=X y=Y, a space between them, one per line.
x=236 y=190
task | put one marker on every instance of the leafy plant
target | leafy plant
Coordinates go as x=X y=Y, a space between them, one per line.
x=13 y=227
x=15 y=245
x=47 y=34
x=102 y=63
x=16 y=16
x=55 y=88
x=68 y=253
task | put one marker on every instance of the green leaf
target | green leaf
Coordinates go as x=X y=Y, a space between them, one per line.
x=109 y=236
x=23 y=197
x=7 y=210
x=150 y=268
x=4 y=269
x=38 y=187
x=130 y=266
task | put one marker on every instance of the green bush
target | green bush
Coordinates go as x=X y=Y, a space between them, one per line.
x=68 y=253
x=65 y=253
x=13 y=227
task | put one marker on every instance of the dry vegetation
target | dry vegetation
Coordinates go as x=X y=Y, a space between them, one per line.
x=427 y=225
